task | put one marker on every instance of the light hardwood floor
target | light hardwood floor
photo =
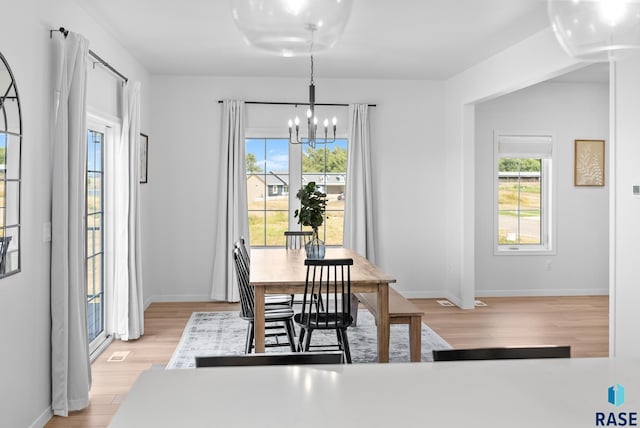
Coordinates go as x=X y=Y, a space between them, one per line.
x=581 y=322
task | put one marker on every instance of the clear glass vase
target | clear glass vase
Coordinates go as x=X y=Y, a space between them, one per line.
x=315 y=248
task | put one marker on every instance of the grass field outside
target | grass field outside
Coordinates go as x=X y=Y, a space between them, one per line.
x=519 y=212
x=268 y=220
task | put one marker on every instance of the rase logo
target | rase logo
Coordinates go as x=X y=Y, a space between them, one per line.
x=615 y=397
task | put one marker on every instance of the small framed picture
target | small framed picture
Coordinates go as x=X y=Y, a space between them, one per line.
x=144 y=158
x=589 y=163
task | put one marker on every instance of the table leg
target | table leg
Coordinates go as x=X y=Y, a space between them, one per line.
x=258 y=318
x=415 y=339
x=383 y=323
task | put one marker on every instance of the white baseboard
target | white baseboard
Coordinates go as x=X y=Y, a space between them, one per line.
x=542 y=293
x=429 y=294
x=169 y=298
x=147 y=302
x=443 y=294
x=454 y=299
x=43 y=418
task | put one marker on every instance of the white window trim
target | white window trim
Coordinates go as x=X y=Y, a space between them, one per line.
x=111 y=127
x=548 y=246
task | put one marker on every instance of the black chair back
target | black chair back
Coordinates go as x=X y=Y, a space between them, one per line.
x=245 y=290
x=297 y=358
x=330 y=281
x=508 y=353
x=242 y=246
x=296 y=239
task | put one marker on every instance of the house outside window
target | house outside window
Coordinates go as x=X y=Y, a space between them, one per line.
x=523 y=194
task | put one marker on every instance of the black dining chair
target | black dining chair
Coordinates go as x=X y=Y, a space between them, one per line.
x=275 y=315
x=296 y=239
x=274 y=359
x=270 y=299
x=502 y=353
x=330 y=280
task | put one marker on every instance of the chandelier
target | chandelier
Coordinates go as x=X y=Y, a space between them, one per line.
x=312 y=121
x=283 y=26
x=596 y=30
x=295 y=27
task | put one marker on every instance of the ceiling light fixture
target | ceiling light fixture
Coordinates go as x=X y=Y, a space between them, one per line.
x=282 y=26
x=596 y=30
x=312 y=121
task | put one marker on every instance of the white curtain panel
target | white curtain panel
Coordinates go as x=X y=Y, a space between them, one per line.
x=230 y=218
x=126 y=321
x=70 y=367
x=358 y=211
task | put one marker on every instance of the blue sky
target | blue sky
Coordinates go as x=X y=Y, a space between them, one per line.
x=93 y=152
x=276 y=157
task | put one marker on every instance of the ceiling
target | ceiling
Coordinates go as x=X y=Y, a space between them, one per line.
x=399 y=39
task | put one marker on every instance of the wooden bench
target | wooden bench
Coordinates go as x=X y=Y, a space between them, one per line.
x=401 y=311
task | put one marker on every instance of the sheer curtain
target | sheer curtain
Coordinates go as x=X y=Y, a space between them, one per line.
x=70 y=367
x=230 y=218
x=358 y=212
x=126 y=319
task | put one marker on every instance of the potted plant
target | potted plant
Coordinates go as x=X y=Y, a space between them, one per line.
x=311 y=213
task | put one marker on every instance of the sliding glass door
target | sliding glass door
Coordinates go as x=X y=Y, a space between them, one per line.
x=95 y=238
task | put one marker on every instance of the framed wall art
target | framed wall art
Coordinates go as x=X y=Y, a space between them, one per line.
x=589 y=163
x=144 y=158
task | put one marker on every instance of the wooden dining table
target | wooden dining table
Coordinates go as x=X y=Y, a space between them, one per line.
x=281 y=271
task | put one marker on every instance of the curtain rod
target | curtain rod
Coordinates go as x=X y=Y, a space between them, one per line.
x=95 y=56
x=284 y=103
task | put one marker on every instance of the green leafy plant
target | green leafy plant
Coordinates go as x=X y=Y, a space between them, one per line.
x=313 y=204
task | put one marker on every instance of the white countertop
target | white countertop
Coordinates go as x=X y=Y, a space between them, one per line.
x=514 y=393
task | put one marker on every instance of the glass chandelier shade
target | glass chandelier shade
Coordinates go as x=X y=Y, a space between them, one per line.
x=291 y=27
x=596 y=30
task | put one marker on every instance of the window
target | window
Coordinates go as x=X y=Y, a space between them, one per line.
x=270 y=179
x=267 y=165
x=523 y=193
x=327 y=166
x=95 y=236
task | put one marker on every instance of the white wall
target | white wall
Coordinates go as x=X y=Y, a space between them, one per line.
x=531 y=61
x=625 y=228
x=580 y=265
x=408 y=172
x=534 y=60
x=25 y=390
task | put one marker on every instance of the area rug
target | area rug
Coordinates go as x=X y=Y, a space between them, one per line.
x=224 y=333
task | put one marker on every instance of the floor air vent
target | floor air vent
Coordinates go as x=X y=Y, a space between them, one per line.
x=118 y=357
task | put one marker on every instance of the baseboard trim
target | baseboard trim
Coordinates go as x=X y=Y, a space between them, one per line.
x=178 y=298
x=542 y=293
x=430 y=294
x=42 y=420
